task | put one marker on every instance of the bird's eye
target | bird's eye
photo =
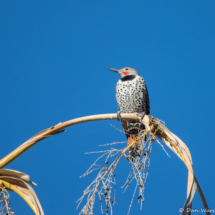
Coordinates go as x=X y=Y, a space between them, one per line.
x=126 y=69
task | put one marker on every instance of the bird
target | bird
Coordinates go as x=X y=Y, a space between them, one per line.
x=132 y=96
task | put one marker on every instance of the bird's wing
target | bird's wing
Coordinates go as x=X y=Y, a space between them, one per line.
x=147 y=101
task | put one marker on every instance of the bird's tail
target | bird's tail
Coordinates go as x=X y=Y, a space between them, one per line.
x=134 y=136
x=133 y=132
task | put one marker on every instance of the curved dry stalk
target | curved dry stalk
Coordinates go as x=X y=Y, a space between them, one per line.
x=182 y=151
x=58 y=129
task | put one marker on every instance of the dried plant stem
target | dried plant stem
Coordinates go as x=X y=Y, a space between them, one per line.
x=132 y=199
x=91 y=199
x=58 y=129
x=4 y=203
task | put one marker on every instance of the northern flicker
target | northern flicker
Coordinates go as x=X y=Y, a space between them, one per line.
x=132 y=96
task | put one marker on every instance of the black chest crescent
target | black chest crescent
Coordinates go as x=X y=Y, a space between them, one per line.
x=128 y=78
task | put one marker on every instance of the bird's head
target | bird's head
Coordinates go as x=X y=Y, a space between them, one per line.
x=125 y=71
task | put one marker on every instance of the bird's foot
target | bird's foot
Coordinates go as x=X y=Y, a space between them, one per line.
x=118 y=114
x=141 y=116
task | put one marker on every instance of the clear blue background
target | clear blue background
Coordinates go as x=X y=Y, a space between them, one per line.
x=53 y=60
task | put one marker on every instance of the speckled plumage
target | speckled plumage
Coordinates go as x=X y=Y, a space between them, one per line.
x=132 y=95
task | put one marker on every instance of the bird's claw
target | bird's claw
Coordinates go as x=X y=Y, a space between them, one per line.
x=141 y=116
x=118 y=115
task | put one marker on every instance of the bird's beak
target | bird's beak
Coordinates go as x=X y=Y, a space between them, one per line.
x=114 y=70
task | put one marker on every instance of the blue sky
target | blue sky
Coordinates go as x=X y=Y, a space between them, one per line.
x=53 y=60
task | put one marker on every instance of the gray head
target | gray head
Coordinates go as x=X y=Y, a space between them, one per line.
x=125 y=71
